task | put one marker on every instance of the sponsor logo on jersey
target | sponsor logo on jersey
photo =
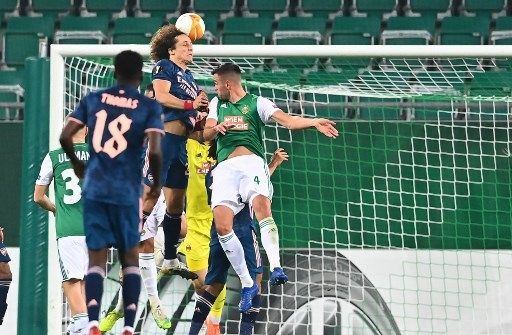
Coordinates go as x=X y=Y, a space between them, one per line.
x=204 y=168
x=238 y=122
x=223 y=105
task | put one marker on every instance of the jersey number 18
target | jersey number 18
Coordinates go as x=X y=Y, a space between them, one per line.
x=117 y=127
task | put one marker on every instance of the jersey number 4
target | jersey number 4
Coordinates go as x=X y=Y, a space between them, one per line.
x=117 y=127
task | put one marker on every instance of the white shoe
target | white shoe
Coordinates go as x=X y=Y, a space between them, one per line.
x=179 y=269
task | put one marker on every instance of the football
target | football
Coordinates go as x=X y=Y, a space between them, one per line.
x=192 y=25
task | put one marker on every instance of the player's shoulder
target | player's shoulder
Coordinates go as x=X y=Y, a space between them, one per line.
x=163 y=65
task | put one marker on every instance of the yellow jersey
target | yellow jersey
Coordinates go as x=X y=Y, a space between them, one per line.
x=199 y=164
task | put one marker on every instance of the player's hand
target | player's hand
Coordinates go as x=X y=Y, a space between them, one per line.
x=2 y=234
x=79 y=168
x=279 y=157
x=326 y=127
x=223 y=127
x=201 y=102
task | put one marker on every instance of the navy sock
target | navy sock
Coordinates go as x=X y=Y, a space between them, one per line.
x=203 y=306
x=172 y=227
x=131 y=292
x=94 y=291
x=249 y=318
x=4 y=289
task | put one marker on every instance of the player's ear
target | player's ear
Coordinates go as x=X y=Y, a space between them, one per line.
x=170 y=51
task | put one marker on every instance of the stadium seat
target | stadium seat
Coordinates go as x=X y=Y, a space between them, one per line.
x=246 y=30
x=429 y=8
x=299 y=30
x=8 y=6
x=484 y=8
x=375 y=8
x=110 y=8
x=502 y=34
x=159 y=8
x=212 y=9
x=320 y=8
x=135 y=30
x=460 y=30
x=82 y=30
x=22 y=37
x=409 y=30
x=266 y=8
x=11 y=91
x=51 y=8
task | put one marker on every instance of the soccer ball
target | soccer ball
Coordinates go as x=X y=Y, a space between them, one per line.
x=192 y=25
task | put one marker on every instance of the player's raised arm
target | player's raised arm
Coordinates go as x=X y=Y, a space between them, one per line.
x=66 y=141
x=278 y=158
x=324 y=126
x=155 y=160
x=43 y=181
x=162 y=88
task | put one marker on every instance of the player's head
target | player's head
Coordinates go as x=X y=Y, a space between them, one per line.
x=171 y=43
x=80 y=135
x=227 y=78
x=128 y=67
x=149 y=91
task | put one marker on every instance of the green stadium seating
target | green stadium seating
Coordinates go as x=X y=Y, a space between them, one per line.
x=213 y=9
x=135 y=30
x=419 y=30
x=375 y=8
x=11 y=81
x=8 y=6
x=267 y=8
x=321 y=8
x=159 y=8
x=484 y=8
x=246 y=30
x=460 y=30
x=502 y=35
x=51 y=7
x=429 y=8
x=22 y=36
x=105 y=8
x=82 y=30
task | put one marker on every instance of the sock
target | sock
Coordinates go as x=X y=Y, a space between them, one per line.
x=204 y=304
x=172 y=227
x=216 y=311
x=80 y=322
x=128 y=329
x=131 y=292
x=249 y=318
x=270 y=241
x=94 y=291
x=147 y=268
x=235 y=253
x=120 y=303
x=4 y=289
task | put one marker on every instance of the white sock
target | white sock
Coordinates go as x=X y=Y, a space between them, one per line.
x=120 y=305
x=147 y=267
x=270 y=241
x=171 y=262
x=235 y=253
x=80 y=323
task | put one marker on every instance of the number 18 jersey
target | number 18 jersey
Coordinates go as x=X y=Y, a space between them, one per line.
x=118 y=119
x=68 y=189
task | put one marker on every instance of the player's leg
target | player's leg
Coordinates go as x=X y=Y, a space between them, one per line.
x=249 y=319
x=5 y=280
x=131 y=284
x=94 y=287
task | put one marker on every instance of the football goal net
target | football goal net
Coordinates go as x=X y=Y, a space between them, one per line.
x=401 y=225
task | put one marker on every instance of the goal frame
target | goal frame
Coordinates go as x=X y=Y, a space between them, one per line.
x=57 y=92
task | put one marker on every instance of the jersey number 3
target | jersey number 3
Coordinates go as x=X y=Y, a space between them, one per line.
x=117 y=127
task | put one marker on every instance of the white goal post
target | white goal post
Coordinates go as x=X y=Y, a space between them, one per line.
x=58 y=53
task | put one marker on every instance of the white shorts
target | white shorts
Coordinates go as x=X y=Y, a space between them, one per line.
x=238 y=180
x=154 y=220
x=73 y=257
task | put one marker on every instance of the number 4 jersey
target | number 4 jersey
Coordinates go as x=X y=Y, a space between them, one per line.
x=68 y=189
x=118 y=119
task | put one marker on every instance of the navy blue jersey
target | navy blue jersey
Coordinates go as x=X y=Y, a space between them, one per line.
x=183 y=86
x=118 y=118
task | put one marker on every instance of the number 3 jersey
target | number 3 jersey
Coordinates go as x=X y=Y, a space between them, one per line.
x=118 y=119
x=68 y=189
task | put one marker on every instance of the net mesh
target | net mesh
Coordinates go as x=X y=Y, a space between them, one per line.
x=399 y=226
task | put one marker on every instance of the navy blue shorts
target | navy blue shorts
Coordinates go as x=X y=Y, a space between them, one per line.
x=4 y=256
x=113 y=225
x=174 y=162
x=218 y=263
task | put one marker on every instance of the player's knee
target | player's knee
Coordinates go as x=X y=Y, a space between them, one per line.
x=147 y=246
x=261 y=207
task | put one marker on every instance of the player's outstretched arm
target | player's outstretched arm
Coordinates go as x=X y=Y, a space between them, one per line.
x=277 y=159
x=162 y=95
x=42 y=199
x=155 y=160
x=66 y=141
x=324 y=126
x=211 y=129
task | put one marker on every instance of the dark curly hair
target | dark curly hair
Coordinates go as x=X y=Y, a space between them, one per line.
x=163 y=40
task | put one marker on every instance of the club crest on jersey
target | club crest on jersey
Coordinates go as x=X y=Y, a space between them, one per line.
x=245 y=109
x=157 y=69
x=238 y=122
x=3 y=251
